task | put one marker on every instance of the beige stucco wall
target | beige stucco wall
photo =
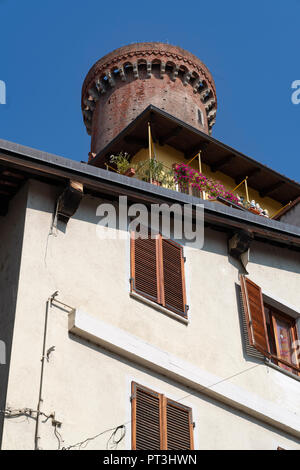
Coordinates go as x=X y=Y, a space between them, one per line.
x=88 y=388
x=91 y=394
x=11 y=238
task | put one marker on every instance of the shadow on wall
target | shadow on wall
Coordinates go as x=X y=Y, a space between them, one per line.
x=214 y=241
x=185 y=394
x=12 y=230
x=242 y=325
x=280 y=258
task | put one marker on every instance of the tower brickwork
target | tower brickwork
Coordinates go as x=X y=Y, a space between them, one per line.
x=126 y=81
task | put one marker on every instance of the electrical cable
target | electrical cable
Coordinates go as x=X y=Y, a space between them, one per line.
x=112 y=442
x=84 y=443
x=15 y=413
x=220 y=381
x=58 y=436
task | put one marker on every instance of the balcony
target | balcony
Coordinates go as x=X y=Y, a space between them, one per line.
x=183 y=178
x=271 y=189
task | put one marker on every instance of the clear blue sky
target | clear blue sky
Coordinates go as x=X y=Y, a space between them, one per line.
x=251 y=48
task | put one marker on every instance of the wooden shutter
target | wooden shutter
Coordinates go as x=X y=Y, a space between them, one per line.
x=157 y=272
x=159 y=423
x=179 y=427
x=146 y=419
x=255 y=315
x=144 y=267
x=249 y=349
x=173 y=281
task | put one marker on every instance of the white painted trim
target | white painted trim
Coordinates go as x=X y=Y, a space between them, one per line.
x=282 y=305
x=141 y=352
x=159 y=307
x=280 y=369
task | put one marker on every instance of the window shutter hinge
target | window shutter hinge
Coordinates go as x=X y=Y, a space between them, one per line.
x=194 y=424
x=187 y=308
x=184 y=259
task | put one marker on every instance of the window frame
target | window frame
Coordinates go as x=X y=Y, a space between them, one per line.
x=163 y=402
x=276 y=314
x=258 y=302
x=160 y=300
x=200 y=117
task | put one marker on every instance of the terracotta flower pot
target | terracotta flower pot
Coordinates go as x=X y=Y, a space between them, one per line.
x=130 y=172
x=255 y=211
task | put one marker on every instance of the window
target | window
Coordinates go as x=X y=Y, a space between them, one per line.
x=159 y=423
x=157 y=272
x=270 y=331
x=282 y=333
x=200 y=117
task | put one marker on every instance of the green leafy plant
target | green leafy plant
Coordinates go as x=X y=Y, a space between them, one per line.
x=155 y=171
x=146 y=170
x=121 y=161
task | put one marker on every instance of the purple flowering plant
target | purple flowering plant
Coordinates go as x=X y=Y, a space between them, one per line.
x=184 y=175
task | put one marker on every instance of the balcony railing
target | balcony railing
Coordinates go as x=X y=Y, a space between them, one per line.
x=194 y=182
x=183 y=178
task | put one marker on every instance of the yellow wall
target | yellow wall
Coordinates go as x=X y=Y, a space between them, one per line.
x=169 y=155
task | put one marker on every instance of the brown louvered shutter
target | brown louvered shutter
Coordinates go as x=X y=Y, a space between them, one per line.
x=157 y=272
x=173 y=282
x=158 y=422
x=255 y=315
x=249 y=349
x=179 y=426
x=146 y=419
x=144 y=267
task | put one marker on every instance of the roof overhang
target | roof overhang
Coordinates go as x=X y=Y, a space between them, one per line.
x=166 y=129
x=55 y=170
x=287 y=208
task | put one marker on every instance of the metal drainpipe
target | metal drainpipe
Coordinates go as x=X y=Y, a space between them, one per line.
x=40 y=401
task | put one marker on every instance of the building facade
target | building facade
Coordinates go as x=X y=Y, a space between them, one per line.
x=156 y=343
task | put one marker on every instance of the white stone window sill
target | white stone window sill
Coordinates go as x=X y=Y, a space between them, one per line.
x=160 y=308
x=283 y=371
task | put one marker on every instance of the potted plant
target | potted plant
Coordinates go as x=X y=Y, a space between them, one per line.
x=130 y=172
x=185 y=176
x=122 y=163
x=155 y=172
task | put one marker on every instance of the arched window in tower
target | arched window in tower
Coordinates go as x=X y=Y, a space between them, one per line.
x=200 y=117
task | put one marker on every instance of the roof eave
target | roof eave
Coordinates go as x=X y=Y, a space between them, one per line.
x=34 y=162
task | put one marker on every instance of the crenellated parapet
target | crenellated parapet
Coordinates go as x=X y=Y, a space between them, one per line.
x=124 y=82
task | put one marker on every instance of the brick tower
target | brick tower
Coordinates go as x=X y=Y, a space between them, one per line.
x=124 y=82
